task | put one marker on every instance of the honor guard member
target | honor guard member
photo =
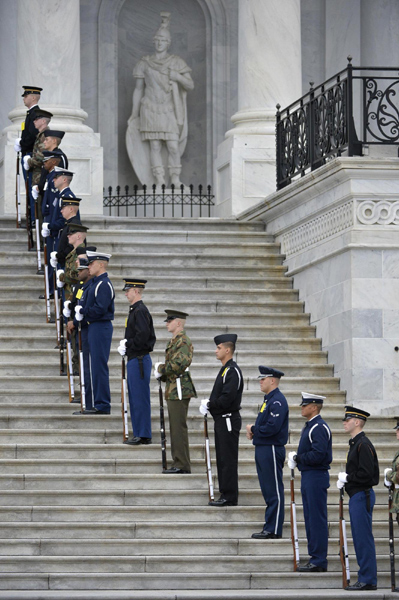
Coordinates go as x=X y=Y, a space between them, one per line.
x=224 y=405
x=98 y=310
x=58 y=187
x=269 y=435
x=362 y=473
x=313 y=459
x=138 y=343
x=179 y=388
x=391 y=478
x=25 y=143
x=34 y=162
x=70 y=214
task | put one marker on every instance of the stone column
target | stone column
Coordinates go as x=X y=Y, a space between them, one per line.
x=48 y=55
x=269 y=72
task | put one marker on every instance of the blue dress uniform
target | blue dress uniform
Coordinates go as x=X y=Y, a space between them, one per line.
x=362 y=474
x=224 y=406
x=313 y=458
x=98 y=310
x=28 y=138
x=81 y=296
x=270 y=435
x=140 y=336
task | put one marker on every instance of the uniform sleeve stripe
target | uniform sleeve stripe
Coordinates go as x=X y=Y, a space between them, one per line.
x=310 y=433
x=239 y=378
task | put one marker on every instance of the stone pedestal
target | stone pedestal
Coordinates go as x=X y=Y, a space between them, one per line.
x=339 y=230
x=54 y=34
x=269 y=72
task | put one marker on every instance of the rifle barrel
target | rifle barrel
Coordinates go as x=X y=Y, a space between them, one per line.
x=162 y=426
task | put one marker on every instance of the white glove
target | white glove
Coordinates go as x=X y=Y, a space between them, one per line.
x=35 y=192
x=78 y=313
x=157 y=374
x=17 y=145
x=387 y=482
x=60 y=272
x=291 y=460
x=25 y=162
x=343 y=477
x=53 y=259
x=67 y=312
x=204 y=407
x=340 y=484
x=122 y=347
x=45 y=230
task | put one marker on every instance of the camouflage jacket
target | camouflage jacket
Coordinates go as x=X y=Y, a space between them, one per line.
x=179 y=354
x=36 y=160
x=71 y=275
x=394 y=477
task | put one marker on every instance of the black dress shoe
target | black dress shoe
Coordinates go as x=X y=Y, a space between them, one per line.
x=101 y=412
x=311 y=568
x=87 y=411
x=174 y=471
x=265 y=535
x=222 y=502
x=361 y=587
x=137 y=441
x=75 y=401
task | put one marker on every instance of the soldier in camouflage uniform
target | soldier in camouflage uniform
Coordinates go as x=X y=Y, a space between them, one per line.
x=179 y=388
x=392 y=477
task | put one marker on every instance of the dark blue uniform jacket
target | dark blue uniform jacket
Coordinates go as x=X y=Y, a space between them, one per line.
x=99 y=302
x=315 y=446
x=271 y=426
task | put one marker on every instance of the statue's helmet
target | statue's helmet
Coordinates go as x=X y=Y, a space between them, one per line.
x=163 y=31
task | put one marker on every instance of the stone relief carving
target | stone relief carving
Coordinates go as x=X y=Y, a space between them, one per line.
x=157 y=128
x=318 y=229
x=380 y=212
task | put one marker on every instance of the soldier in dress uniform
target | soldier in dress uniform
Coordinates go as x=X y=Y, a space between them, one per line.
x=361 y=474
x=58 y=185
x=224 y=405
x=70 y=214
x=98 y=310
x=313 y=459
x=139 y=341
x=269 y=435
x=179 y=389
x=391 y=478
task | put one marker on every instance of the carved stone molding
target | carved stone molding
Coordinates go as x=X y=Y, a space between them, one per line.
x=378 y=212
x=318 y=229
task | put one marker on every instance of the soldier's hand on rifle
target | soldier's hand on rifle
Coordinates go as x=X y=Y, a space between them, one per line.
x=387 y=482
x=53 y=259
x=35 y=192
x=157 y=374
x=291 y=461
x=45 y=230
x=17 y=145
x=25 y=162
x=70 y=326
x=60 y=282
x=342 y=479
x=67 y=311
x=78 y=313
x=122 y=347
x=204 y=407
x=250 y=435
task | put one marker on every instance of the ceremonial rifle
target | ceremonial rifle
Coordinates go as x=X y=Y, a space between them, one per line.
x=56 y=309
x=81 y=371
x=391 y=538
x=124 y=402
x=18 y=194
x=46 y=287
x=343 y=543
x=62 y=339
x=28 y=216
x=208 y=459
x=39 y=260
x=70 y=368
x=162 y=424
x=294 y=525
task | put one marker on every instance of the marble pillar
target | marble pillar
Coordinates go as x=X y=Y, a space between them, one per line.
x=269 y=72
x=48 y=55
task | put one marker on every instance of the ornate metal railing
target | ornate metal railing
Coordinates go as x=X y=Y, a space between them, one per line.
x=359 y=105
x=159 y=202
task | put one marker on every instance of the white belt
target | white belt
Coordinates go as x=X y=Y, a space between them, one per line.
x=178 y=385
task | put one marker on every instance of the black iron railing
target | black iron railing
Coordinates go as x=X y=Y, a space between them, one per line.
x=159 y=202
x=359 y=105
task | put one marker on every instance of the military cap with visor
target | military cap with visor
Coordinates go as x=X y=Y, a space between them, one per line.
x=62 y=171
x=269 y=372
x=64 y=201
x=54 y=133
x=224 y=338
x=76 y=228
x=355 y=413
x=92 y=256
x=42 y=114
x=31 y=89
x=308 y=398
x=80 y=250
x=133 y=282
x=172 y=314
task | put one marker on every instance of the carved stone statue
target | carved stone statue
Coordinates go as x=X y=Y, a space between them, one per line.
x=158 y=123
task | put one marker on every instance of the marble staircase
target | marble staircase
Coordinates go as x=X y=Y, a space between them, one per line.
x=82 y=515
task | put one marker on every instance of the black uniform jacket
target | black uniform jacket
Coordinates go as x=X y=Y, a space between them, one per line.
x=227 y=390
x=139 y=331
x=30 y=132
x=64 y=248
x=361 y=465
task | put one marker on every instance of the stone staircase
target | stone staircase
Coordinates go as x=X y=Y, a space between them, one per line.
x=83 y=516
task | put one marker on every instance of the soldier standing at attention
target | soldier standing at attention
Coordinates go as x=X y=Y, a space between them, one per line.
x=179 y=388
x=313 y=459
x=98 y=310
x=138 y=343
x=362 y=473
x=224 y=405
x=269 y=436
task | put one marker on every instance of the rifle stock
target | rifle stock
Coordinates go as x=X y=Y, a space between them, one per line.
x=162 y=425
x=294 y=525
x=343 y=543
x=391 y=539
x=124 y=402
x=18 y=193
x=208 y=460
x=39 y=259
x=62 y=340
x=28 y=216
x=81 y=372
